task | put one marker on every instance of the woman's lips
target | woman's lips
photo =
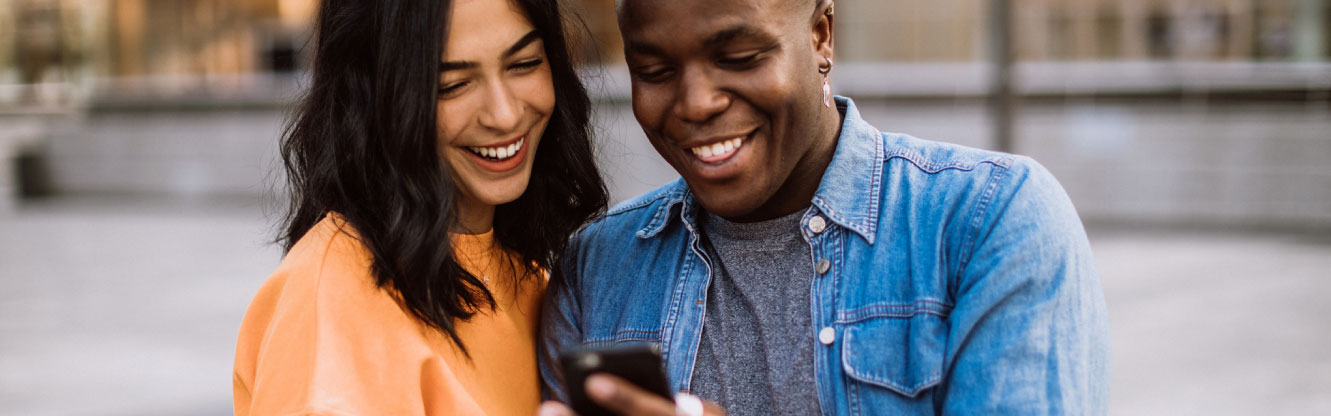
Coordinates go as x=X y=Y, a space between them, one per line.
x=500 y=158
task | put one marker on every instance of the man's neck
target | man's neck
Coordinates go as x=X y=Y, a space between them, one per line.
x=797 y=192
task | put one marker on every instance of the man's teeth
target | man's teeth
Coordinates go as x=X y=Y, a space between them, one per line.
x=719 y=148
x=500 y=152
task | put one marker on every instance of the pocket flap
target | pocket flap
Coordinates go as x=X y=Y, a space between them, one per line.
x=901 y=354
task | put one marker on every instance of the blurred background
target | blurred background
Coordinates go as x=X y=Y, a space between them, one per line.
x=138 y=178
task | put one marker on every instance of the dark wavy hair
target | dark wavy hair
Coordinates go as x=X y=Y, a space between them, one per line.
x=363 y=145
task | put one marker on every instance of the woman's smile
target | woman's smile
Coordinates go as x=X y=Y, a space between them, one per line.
x=501 y=157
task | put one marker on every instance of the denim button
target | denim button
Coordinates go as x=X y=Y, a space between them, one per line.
x=817 y=224
x=824 y=266
x=827 y=335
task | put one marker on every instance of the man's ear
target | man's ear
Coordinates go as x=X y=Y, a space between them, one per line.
x=823 y=35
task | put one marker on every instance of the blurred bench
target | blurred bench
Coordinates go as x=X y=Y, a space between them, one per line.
x=17 y=138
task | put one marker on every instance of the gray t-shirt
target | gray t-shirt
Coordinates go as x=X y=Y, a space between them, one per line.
x=756 y=352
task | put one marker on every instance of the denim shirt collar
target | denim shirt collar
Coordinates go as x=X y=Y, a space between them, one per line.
x=848 y=194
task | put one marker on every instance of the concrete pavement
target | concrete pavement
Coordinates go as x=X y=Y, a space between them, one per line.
x=131 y=307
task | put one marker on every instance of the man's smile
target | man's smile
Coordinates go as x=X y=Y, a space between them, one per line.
x=717 y=152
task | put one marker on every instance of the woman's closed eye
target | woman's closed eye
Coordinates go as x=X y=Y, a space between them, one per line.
x=451 y=89
x=526 y=65
x=522 y=67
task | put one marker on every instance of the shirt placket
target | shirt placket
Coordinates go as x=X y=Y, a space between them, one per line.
x=689 y=309
x=823 y=239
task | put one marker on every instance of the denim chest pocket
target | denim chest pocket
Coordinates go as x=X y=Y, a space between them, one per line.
x=633 y=336
x=893 y=362
x=624 y=319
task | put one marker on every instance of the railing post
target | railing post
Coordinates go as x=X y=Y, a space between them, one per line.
x=1002 y=101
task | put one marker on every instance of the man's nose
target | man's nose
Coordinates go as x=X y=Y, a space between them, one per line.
x=503 y=111
x=699 y=99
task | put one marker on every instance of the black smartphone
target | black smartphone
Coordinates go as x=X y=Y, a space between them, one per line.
x=639 y=364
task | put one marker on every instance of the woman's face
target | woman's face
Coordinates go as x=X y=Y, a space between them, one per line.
x=495 y=99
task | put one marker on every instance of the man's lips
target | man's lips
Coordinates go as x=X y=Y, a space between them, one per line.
x=718 y=149
x=717 y=158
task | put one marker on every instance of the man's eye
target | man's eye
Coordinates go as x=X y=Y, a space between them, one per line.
x=652 y=74
x=738 y=60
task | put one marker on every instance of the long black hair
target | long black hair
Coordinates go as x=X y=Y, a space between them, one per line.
x=363 y=145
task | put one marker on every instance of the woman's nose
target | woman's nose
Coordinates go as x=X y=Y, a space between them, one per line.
x=502 y=110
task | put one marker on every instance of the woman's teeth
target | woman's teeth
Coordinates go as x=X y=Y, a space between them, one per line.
x=500 y=152
x=719 y=149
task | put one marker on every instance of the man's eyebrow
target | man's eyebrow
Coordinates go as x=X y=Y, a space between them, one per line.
x=730 y=33
x=522 y=42
x=635 y=47
x=713 y=41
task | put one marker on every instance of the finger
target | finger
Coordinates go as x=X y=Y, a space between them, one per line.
x=624 y=398
x=553 y=408
x=712 y=409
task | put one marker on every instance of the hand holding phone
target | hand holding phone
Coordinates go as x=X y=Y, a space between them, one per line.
x=639 y=364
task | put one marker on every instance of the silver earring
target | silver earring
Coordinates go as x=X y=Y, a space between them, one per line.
x=827 y=86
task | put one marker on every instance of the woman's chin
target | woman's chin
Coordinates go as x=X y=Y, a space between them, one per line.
x=499 y=193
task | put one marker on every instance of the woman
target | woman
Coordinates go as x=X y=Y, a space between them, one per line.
x=439 y=162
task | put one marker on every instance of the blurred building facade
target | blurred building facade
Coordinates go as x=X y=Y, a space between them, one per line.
x=1091 y=30
x=91 y=45
x=188 y=96
x=45 y=41
x=1065 y=30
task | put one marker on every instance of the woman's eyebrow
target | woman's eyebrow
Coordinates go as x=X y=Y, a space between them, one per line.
x=526 y=39
x=522 y=42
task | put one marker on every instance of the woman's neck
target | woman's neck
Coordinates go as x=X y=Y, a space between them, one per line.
x=474 y=217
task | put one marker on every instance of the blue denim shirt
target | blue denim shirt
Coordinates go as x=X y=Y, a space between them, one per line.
x=950 y=281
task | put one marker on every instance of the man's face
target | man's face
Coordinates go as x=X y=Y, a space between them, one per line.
x=727 y=92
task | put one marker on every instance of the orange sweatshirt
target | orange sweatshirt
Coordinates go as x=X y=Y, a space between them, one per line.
x=321 y=339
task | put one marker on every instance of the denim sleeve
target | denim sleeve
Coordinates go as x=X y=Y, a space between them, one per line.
x=1029 y=333
x=559 y=323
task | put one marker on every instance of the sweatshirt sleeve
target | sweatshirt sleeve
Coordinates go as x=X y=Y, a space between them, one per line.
x=321 y=339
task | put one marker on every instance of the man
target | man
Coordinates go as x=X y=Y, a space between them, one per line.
x=808 y=263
